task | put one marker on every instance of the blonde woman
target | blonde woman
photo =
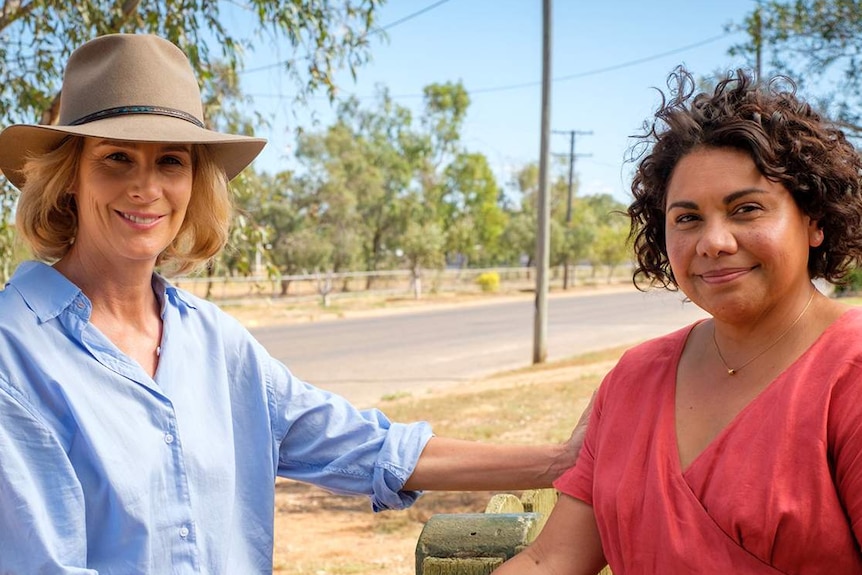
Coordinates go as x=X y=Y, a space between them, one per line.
x=141 y=428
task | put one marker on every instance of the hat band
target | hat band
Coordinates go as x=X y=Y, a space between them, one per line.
x=129 y=110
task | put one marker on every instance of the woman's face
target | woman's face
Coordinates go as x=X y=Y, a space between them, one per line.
x=131 y=198
x=737 y=242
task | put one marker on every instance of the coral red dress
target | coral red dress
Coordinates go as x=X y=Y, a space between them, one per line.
x=779 y=490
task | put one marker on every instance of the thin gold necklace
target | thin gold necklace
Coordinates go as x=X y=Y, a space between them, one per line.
x=735 y=370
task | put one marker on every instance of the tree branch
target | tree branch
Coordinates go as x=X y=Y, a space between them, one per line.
x=13 y=10
x=130 y=7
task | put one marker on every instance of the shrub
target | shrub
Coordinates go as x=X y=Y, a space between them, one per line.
x=489 y=281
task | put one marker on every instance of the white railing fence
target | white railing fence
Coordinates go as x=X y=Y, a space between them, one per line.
x=392 y=282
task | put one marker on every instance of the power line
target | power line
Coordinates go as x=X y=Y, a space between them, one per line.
x=611 y=68
x=646 y=59
x=378 y=30
x=576 y=75
x=409 y=16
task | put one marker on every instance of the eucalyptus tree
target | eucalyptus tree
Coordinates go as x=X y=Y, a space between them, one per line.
x=332 y=172
x=597 y=232
x=37 y=36
x=422 y=246
x=392 y=146
x=522 y=222
x=471 y=214
x=573 y=241
x=384 y=178
x=518 y=240
x=363 y=169
x=609 y=246
x=818 y=43
x=296 y=243
x=444 y=110
x=297 y=246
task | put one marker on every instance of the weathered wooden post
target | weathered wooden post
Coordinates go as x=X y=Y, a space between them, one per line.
x=478 y=543
x=472 y=543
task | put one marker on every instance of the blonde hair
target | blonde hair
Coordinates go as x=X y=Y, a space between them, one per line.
x=47 y=216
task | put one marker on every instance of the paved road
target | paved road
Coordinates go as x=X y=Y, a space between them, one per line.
x=366 y=358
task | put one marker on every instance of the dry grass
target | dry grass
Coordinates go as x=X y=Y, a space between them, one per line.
x=320 y=534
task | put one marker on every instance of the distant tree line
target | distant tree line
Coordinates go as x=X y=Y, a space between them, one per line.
x=380 y=189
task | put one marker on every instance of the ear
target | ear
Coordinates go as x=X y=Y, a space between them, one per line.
x=815 y=234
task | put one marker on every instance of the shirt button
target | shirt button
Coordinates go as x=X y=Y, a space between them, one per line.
x=80 y=305
x=184 y=532
x=169 y=438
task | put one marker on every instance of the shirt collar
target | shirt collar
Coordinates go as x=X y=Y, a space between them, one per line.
x=167 y=293
x=45 y=290
x=48 y=293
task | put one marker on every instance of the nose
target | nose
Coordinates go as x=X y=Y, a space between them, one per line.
x=146 y=186
x=717 y=239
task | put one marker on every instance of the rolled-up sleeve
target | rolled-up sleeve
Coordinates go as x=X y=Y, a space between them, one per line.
x=324 y=440
x=403 y=444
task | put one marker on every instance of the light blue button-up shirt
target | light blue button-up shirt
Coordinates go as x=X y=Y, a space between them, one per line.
x=106 y=470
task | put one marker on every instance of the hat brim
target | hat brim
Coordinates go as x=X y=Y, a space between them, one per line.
x=21 y=141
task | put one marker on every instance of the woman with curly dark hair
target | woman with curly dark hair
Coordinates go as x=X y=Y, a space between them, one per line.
x=733 y=445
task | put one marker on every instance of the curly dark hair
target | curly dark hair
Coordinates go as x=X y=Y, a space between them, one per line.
x=790 y=144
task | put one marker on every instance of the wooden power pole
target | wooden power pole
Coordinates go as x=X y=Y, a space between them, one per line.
x=570 y=199
x=543 y=241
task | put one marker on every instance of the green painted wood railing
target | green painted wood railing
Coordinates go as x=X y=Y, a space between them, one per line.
x=478 y=543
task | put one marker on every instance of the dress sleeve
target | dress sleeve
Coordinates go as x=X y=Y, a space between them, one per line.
x=845 y=444
x=42 y=512
x=578 y=480
x=326 y=441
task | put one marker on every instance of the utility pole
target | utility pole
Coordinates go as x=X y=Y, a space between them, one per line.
x=572 y=157
x=543 y=241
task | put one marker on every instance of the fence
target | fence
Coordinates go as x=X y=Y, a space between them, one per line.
x=478 y=543
x=390 y=282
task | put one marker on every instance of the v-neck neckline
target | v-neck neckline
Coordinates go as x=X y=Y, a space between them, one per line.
x=671 y=396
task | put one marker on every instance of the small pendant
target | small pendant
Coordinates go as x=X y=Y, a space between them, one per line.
x=731 y=372
x=158 y=351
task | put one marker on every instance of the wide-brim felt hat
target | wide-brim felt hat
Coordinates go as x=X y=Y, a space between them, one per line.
x=127 y=87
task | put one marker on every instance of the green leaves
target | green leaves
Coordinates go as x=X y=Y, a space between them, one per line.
x=816 y=43
x=37 y=36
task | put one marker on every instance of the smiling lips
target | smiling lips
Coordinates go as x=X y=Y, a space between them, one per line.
x=143 y=220
x=724 y=275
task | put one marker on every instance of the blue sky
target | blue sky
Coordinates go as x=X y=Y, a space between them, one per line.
x=607 y=57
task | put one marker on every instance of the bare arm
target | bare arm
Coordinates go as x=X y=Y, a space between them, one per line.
x=569 y=544
x=458 y=465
